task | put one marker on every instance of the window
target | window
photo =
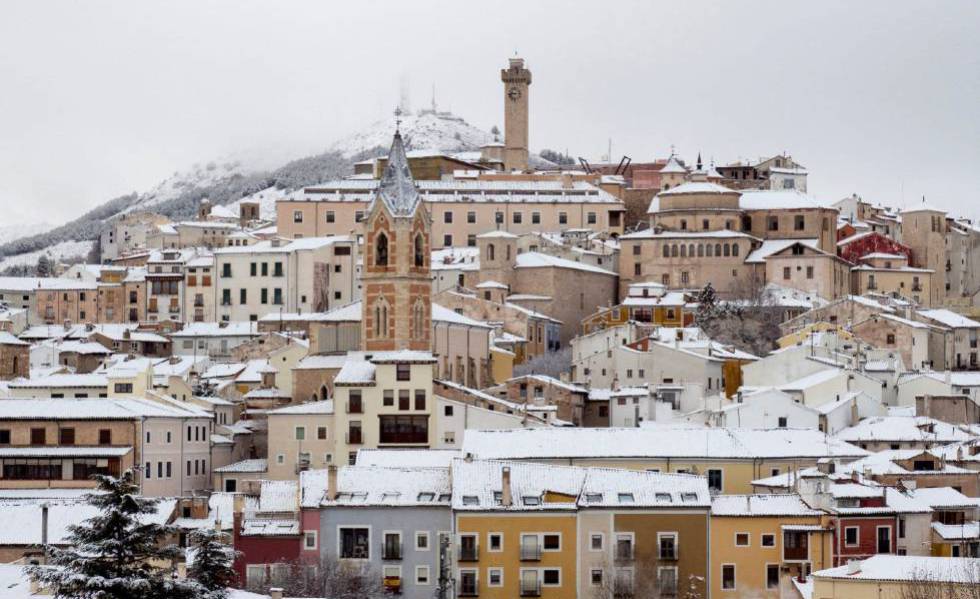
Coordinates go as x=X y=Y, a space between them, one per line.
x=66 y=436
x=596 y=542
x=447 y=240
x=38 y=436
x=890 y=339
x=419 y=251
x=536 y=218
x=551 y=542
x=772 y=576
x=471 y=217
x=551 y=576
x=728 y=577
x=321 y=433
x=403 y=372
x=768 y=540
x=590 y=218
x=5 y=436
x=354 y=543
x=105 y=436
x=495 y=541
x=595 y=577
x=392 y=546
x=297 y=216
x=381 y=250
x=447 y=410
x=422 y=541
x=471 y=240
x=122 y=388
x=773 y=226
x=799 y=223
x=300 y=433
x=786 y=273
x=741 y=539
x=782 y=422
x=851 y=536
x=667 y=545
x=518 y=217
x=715 y=480
x=421 y=574
x=495 y=577
x=562 y=218
x=331 y=217
x=403 y=400
x=499 y=218
x=667 y=579
x=447 y=217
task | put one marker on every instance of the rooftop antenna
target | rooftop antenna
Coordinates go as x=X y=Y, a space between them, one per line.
x=433 y=97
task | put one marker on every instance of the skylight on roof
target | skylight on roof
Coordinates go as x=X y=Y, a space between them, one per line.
x=344 y=496
x=531 y=500
x=689 y=497
x=445 y=497
x=498 y=497
x=390 y=496
x=664 y=497
x=593 y=497
x=625 y=497
x=426 y=496
x=471 y=500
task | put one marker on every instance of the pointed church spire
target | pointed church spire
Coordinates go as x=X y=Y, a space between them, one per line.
x=397 y=188
x=699 y=161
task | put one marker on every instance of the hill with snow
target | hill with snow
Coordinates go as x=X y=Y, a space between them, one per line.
x=264 y=176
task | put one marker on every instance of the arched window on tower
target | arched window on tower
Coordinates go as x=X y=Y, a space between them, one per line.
x=381 y=319
x=418 y=319
x=490 y=251
x=381 y=250
x=419 y=251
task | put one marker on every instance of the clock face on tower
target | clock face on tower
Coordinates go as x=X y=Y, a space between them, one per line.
x=514 y=94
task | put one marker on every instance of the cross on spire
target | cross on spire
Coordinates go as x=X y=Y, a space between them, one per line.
x=398 y=118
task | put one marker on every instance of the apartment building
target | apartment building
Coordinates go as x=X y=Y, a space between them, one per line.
x=300 y=438
x=393 y=519
x=461 y=208
x=305 y=275
x=165 y=284
x=759 y=542
x=60 y=443
x=538 y=530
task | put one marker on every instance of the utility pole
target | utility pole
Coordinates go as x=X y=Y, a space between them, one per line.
x=445 y=588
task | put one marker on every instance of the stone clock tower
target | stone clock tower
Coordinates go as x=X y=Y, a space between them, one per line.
x=516 y=81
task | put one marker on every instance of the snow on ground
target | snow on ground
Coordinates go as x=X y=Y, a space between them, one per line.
x=60 y=251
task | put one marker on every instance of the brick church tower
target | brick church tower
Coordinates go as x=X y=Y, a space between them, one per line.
x=396 y=277
x=516 y=80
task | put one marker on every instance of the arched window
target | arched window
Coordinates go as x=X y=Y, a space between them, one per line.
x=418 y=320
x=666 y=250
x=323 y=393
x=690 y=250
x=381 y=250
x=700 y=250
x=734 y=249
x=718 y=250
x=727 y=250
x=710 y=251
x=683 y=251
x=419 y=251
x=508 y=253
x=673 y=250
x=490 y=252
x=381 y=318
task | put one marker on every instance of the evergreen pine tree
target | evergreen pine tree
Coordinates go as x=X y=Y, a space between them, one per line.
x=213 y=562
x=43 y=268
x=117 y=554
x=707 y=307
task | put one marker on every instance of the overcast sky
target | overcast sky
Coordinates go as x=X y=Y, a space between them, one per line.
x=99 y=99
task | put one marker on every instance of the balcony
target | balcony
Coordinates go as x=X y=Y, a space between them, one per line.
x=530 y=588
x=468 y=553
x=391 y=551
x=531 y=553
x=624 y=552
x=795 y=547
x=354 y=437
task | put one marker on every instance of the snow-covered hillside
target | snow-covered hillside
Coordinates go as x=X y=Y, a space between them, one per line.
x=422 y=130
x=12 y=232
x=64 y=251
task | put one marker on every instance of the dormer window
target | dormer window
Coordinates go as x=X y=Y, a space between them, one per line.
x=471 y=500
x=689 y=497
x=531 y=500
x=664 y=497
x=625 y=497
x=426 y=496
x=593 y=497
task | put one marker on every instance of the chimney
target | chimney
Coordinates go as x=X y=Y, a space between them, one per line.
x=332 y=482
x=275 y=593
x=854 y=567
x=67 y=324
x=506 y=499
x=44 y=524
x=854 y=412
x=566 y=181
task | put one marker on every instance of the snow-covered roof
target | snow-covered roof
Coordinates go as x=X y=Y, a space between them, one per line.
x=355 y=371
x=949 y=318
x=44 y=284
x=89 y=409
x=922 y=207
x=444 y=314
x=540 y=260
x=318 y=362
x=218 y=329
x=252 y=373
x=697 y=187
x=549 y=380
x=497 y=234
x=903 y=429
x=761 y=505
x=908 y=568
x=311 y=408
x=407 y=458
x=269 y=246
x=478 y=486
x=782 y=199
x=649 y=442
x=245 y=466
x=8 y=339
x=402 y=356
x=967 y=531
x=774 y=246
x=943 y=498
x=468 y=190
x=719 y=234
x=64 y=451
x=23 y=518
x=362 y=486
